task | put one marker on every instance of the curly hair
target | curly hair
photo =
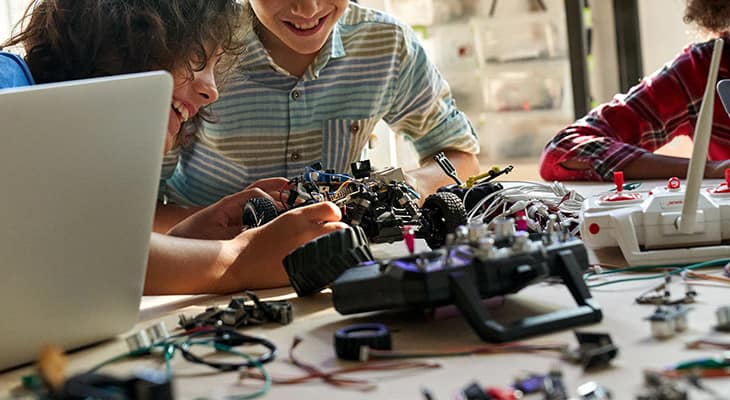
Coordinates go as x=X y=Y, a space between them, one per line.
x=710 y=15
x=79 y=39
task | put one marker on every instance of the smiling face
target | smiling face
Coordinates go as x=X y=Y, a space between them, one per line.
x=191 y=93
x=301 y=25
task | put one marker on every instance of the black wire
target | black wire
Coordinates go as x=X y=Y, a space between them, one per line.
x=229 y=338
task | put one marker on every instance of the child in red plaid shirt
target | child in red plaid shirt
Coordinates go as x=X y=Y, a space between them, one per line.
x=623 y=134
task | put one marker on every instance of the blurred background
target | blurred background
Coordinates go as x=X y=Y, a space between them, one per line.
x=523 y=69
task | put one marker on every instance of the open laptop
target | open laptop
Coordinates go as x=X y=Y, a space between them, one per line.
x=79 y=170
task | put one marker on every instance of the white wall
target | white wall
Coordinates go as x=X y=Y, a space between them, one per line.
x=663 y=33
x=10 y=12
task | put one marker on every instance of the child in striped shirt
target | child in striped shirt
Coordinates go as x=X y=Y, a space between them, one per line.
x=316 y=78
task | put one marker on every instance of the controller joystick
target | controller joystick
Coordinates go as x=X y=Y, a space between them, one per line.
x=723 y=189
x=620 y=196
x=674 y=184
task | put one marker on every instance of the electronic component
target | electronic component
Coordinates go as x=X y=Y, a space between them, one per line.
x=350 y=340
x=142 y=340
x=723 y=318
x=553 y=386
x=241 y=313
x=667 y=321
x=471 y=268
x=659 y=388
x=593 y=391
x=475 y=188
x=594 y=350
x=547 y=208
x=530 y=384
x=147 y=384
x=474 y=391
x=448 y=167
x=661 y=295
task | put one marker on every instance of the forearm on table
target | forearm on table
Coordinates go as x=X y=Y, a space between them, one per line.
x=186 y=266
x=191 y=266
x=429 y=176
x=655 y=166
x=167 y=216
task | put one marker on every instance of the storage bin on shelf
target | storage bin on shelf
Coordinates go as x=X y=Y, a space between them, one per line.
x=528 y=87
x=450 y=45
x=429 y=12
x=511 y=137
x=537 y=35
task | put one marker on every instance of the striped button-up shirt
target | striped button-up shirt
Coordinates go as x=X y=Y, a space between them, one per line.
x=271 y=123
x=661 y=107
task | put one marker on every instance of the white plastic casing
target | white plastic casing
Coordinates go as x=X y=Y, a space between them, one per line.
x=647 y=231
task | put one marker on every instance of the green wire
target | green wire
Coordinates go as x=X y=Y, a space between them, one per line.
x=131 y=354
x=169 y=349
x=678 y=269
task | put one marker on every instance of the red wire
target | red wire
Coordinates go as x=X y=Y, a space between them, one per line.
x=515 y=347
x=332 y=378
x=281 y=194
x=700 y=373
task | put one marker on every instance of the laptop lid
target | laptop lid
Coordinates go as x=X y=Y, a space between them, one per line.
x=79 y=171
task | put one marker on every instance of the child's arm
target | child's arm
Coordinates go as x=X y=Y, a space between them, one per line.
x=624 y=133
x=429 y=176
x=251 y=260
x=169 y=215
x=422 y=107
x=657 y=166
x=217 y=221
x=223 y=219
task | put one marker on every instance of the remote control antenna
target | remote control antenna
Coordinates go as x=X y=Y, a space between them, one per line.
x=696 y=169
x=448 y=167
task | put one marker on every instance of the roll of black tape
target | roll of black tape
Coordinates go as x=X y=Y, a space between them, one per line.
x=350 y=339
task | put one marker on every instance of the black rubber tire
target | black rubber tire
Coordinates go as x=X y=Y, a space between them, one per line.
x=444 y=213
x=259 y=211
x=318 y=263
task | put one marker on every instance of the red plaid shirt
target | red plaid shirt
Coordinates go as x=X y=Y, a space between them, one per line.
x=661 y=107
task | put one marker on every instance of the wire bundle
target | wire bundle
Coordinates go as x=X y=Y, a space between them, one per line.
x=221 y=340
x=673 y=269
x=537 y=200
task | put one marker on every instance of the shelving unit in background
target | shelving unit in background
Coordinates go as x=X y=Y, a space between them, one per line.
x=508 y=68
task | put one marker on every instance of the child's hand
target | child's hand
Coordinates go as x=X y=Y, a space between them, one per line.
x=223 y=219
x=263 y=249
x=272 y=186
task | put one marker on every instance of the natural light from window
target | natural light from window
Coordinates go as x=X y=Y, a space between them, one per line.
x=10 y=12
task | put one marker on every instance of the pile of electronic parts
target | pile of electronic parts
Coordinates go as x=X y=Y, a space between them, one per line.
x=381 y=203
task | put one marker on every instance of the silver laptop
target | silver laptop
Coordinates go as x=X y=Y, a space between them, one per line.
x=79 y=170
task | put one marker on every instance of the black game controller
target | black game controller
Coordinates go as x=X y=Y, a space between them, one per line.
x=475 y=266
